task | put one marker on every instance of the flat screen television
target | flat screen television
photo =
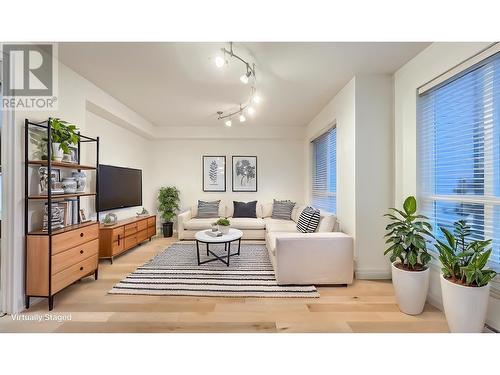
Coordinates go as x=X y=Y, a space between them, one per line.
x=119 y=187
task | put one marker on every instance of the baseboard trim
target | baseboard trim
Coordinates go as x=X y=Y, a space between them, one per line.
x=373 y=274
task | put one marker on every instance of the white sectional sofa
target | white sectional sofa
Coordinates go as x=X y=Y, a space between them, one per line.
x=322 y=257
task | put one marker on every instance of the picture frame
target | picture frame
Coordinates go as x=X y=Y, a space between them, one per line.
x=83 y=216
x=214 y=173
x=43 y=179
x=244 y=173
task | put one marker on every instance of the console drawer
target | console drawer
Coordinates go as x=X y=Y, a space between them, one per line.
x=74 y=255
x=118 y=234
x=141 y=225
x=152 y=222
x=69 y=275
x=142 y=235
x=130 y=229
x=67 y=240
x=151 y=231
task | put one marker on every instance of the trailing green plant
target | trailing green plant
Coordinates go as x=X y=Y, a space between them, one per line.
x=407 y=236
x=64 y=133
x=168 y=199
x=463 y=260
x=224 y=222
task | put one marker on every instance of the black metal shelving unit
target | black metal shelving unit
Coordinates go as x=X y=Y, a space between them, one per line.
x=50 y=164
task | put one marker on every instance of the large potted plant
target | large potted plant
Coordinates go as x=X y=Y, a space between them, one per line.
x=407 y=239
x=465 y=280
x=168 y=199
x=63 y=135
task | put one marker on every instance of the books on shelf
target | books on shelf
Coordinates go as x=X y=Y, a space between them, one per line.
x=64 y=213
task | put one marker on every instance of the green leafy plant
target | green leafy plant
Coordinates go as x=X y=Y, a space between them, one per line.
x=224 y=222
x=168 y=199
x=463 y=260
x=64 y=133
x=407 y=237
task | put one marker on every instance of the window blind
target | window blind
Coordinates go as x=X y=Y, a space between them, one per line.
x=324 y=189
x=459 y=153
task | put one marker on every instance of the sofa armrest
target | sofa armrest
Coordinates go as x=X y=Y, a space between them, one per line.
x=314 y=258
x=182 y=218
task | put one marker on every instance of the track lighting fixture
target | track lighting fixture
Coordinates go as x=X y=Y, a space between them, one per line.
x=247 y=77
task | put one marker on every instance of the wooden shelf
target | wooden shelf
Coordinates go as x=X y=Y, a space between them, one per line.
x=61 y=164
x=61 y=196
x=62 y=230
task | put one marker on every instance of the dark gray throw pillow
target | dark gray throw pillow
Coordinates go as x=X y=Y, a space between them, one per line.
x=282 y=209
x=308 y=220
x=208 y=209
x=242 y=209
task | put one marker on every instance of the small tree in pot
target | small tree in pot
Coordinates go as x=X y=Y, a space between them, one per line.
x=407 y=237
x=168 y=199
x=465 y=283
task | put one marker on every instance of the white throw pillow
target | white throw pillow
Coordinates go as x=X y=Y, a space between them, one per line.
x=327 y=223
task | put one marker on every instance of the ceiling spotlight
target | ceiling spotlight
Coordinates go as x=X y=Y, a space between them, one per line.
x=242 y=118
x=251 y=111
x=229 y=122
x=256 y=99
x=219 y=61
x=244 y=78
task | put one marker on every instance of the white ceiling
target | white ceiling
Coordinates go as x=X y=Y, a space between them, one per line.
x=178 y=84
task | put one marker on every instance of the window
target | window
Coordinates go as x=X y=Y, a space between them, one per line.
x=459 y=152
x=324 y=189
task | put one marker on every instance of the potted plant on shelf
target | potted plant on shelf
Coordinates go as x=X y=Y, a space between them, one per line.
x=63 y=135
x=465 y=283
x=168 y=198
x=224 y=225
x=408 y=253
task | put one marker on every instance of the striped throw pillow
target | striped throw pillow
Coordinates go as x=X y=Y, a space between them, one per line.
x=282 y=209
x=308 y=220
x=208 y=209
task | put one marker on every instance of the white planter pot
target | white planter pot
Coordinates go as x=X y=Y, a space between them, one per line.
x=57 y=151
x=411 y=289
x=224 y=229
x=465 y=307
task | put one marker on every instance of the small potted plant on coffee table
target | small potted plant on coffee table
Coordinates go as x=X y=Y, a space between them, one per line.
x=408 y=253
x=224 y=225
x=168 y=198
x=465 y=282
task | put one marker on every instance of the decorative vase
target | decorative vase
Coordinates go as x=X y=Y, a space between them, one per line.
x=81 y=181
x=69 y=185
x=57 y=151
x=465 y=307
x=224 y=229
x=411 y=289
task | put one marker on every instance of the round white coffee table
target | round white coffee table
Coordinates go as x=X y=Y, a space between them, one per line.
x=226 y=239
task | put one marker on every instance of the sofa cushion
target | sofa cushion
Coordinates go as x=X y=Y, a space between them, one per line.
x=327 y=223
x=267 y=210
x=199 y=224
x=282 y=209
x=221 y=213
x=278 y=225
x=229 y=212
x=242 y=209
x=247 y=223
x=297 y=210
x=208 y=209
x=308 y=220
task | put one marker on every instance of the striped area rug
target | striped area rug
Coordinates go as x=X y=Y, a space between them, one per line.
x=175 y=272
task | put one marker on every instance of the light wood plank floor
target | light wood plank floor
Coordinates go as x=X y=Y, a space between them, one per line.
x=365 y=306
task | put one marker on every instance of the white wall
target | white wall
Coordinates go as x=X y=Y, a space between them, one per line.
x=341 y=112
x=374 y=172
x=363 y=114
x=433 y=61
x=75 y=95
x=280 y=166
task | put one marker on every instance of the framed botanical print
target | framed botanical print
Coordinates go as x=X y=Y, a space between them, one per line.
x=214 y=173
x=244 y=173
